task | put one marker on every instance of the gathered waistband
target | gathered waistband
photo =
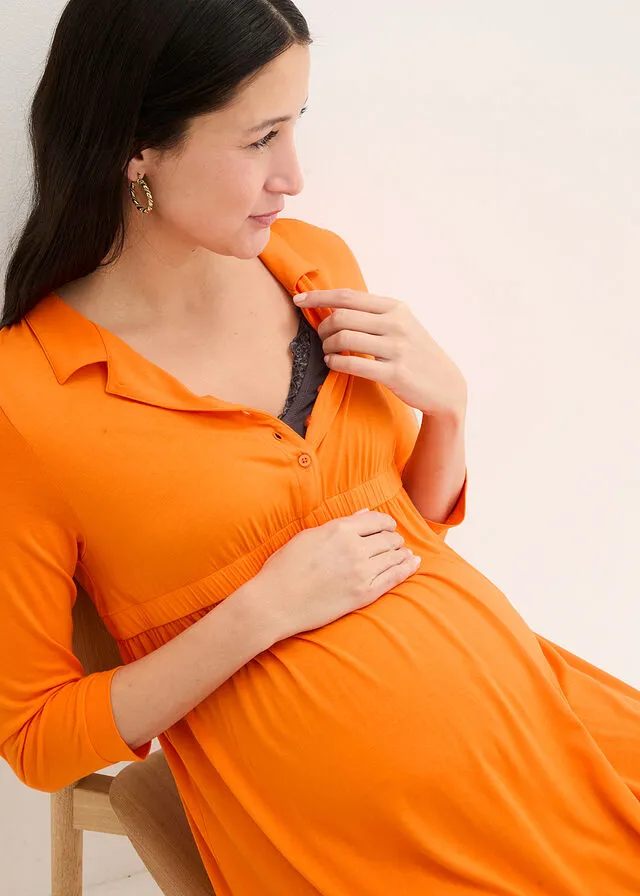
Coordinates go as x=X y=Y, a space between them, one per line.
x=141 y=616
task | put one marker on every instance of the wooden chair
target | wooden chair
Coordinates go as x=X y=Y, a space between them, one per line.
x=141 y=802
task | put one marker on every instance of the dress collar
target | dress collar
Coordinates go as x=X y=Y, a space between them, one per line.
x=71 y=341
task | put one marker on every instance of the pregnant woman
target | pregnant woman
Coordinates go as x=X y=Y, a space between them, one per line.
x=340 y=719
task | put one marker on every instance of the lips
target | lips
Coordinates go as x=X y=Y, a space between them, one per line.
x=269 y=214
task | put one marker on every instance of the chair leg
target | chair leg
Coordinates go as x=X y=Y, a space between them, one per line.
x=66 y=846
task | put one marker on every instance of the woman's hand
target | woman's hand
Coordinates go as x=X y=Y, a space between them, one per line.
x=403 y=356
x=329 y=571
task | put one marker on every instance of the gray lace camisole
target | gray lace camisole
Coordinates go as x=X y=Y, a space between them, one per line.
x=309 y=373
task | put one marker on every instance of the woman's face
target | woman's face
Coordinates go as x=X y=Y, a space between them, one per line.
x=207 y=195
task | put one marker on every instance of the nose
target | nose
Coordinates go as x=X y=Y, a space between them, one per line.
x=289 y=178
x=292 y=182
x=297 y=179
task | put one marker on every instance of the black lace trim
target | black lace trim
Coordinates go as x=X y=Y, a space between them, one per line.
x=300 y=347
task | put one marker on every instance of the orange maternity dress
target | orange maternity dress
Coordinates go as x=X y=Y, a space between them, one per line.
x=430 y=743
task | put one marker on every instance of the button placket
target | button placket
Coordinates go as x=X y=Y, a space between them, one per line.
x=304 y=459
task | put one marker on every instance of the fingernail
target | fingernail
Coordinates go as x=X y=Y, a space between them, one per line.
x=300 y=299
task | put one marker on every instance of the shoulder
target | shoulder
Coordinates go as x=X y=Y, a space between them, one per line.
x=323 y=245
x=18 y=355
x=28 y=385
x=16 y=340
x=301 y=234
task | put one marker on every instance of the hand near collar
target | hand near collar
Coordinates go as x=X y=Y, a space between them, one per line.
x=405 y=358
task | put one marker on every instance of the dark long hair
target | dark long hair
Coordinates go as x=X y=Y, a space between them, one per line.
x=124 y=75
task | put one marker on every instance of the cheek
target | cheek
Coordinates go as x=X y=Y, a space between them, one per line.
x=211 y=199
x=245 y=183
x=234 y=189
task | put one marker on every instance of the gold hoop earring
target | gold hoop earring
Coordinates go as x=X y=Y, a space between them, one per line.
x=144 y=209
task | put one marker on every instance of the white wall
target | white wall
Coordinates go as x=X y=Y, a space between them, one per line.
x=481 y=159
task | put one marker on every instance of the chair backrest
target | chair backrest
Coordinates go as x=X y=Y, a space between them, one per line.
x=93 y=644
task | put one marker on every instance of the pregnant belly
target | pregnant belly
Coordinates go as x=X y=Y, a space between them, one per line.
x=426 y=730
x=431 y=672
x=432 y=684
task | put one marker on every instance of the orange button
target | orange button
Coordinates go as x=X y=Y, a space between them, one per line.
x=304 y=460
x=307 y=420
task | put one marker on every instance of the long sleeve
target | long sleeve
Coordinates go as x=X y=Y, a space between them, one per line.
x=56 y=725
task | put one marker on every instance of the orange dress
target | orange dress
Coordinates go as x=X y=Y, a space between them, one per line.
x=430 y=743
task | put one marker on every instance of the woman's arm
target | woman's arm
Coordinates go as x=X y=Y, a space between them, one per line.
x=151 y=694
x=434 y=445
x=57 y=724
x=436 y=471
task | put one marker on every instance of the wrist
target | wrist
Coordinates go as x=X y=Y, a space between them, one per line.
x=258 y=617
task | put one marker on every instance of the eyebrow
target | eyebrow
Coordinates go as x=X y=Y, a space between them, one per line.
x=271 y=121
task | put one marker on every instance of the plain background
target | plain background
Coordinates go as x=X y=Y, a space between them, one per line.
x=481 y=160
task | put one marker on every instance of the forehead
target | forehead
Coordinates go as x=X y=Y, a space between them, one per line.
x=279 y=89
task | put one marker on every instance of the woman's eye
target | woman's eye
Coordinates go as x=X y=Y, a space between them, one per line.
x=262 y=143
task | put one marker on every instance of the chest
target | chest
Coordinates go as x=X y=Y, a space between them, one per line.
x=241 y=355
x=249 y=362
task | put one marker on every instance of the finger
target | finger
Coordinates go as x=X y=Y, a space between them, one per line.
x=360 y=321
x=344 y=298
x=377 y=371
x=363 y=343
